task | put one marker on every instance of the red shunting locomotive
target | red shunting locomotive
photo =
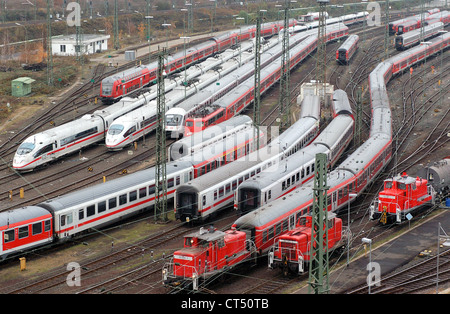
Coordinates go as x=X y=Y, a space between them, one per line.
x=292 y=251
x=402 y=195
x=207 y=253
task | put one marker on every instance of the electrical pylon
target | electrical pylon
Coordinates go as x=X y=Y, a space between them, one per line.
x=284 y=101
x=321 y=70
x=49 y=46
x=318 y=266
x=160 y=166
x=257 y=87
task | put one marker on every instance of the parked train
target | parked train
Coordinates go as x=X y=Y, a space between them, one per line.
x=267 y=223
x=412 y=38
x=73 y=214
x=200 y=199
x=403 y=194
x=139 y=122
x=176 y=116
x=298 y=169
x=49 y=145
x=197 y=142
x=346 y=51
x=122 y=84
x=237 y=100
x=416 y=22
x=393 y=26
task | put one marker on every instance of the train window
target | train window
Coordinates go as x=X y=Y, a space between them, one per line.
x=221 y=190
x=228 y=188
x=285 y=225
x=43 y=150
x=278 y=229
x=265 y=236
x=130 y=131
x=122 y=199
x=90 y=210
x=271 y=232
x=234 y=185
x=297 y=176
x=101 y=207
x=47 y=225
x=270 y=194
x=283 y=186
x=303 y=173
x=65 y=220
x=204 y=200
x=133 y=195
x=81 y=214
x=23 y=232
x=112 y=202
x=170 y=183
x=142 y=192
x=151 y=189
x=177 y=180
x=215 y=194
x=8 y=236
x=36 y=228
x=401 y=186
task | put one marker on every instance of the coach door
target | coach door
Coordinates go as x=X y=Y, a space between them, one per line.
x=334 y=201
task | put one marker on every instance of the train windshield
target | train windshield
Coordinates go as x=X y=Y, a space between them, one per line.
x=115 y=129
x=174 y=119
x=25 y=148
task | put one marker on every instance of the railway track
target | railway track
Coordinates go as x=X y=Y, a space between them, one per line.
x=413 y=278
x=142 y=249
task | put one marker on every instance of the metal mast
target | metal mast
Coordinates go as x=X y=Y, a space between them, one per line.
x=321 y=71
x=49 y=46
x=386 y=32
x=284 y=101
x=318 y=266
x=78 y=40
x=116 y=26
x=160 y=166
x=257 y=88
x=148 y=17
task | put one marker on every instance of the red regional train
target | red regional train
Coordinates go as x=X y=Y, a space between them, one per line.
x=121 y=84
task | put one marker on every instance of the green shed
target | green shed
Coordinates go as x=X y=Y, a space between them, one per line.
x=21 y=86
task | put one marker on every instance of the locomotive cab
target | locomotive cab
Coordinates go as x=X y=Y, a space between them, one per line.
x=206 y=253
x=400 y=196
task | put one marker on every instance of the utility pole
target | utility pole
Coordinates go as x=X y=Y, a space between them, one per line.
x=284 y=101
x=257 y=87
x=160 y=166
x=49 y=46
x=321 y=70
x=318 y=266
x=116 y=26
